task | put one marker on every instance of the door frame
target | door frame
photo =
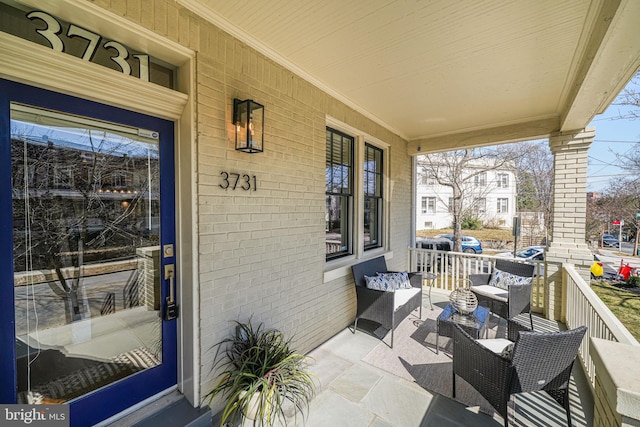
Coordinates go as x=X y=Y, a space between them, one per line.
x=39 y=66
x=140 y=386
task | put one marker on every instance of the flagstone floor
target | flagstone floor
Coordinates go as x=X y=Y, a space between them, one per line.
x=353 y=393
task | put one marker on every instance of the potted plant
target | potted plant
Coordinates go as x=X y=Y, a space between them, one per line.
x=260 y=375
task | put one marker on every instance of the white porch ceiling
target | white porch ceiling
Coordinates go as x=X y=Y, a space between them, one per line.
x=448 y=73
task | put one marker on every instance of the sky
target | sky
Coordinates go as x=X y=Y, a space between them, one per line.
x=613 y=136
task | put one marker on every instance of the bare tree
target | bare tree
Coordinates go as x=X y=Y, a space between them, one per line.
x=535 y=178
x=629 y=99
x=625 y=195
x=626 y=191
x=461 y=171
x=60 y=206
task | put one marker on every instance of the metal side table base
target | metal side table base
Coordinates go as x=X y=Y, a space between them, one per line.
x=430 y=277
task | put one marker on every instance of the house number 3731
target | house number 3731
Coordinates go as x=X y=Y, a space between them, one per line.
x=234 y=181
x=53 y=29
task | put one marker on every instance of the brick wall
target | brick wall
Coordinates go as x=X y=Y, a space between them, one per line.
x=262 y=253
x=567 y=244
x=604 y=414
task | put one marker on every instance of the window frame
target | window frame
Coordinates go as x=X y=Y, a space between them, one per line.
x=499 y=206
x=425 y=206
x=346 y=198
x=480 y=180
x=339 y=266
x=427 y=178
x=502 y=180
x=377 y=197
x=480 y=205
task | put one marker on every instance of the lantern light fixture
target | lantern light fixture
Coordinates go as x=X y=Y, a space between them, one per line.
x=248 y=118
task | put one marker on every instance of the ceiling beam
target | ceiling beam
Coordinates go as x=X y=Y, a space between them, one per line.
x=528 y=131
x=611 y=58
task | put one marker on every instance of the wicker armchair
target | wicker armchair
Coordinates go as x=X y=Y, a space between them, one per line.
x=539 y=361
x=505 y=303
x=386 y=308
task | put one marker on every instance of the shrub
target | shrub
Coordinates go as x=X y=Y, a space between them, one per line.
x=494 y=223
x=471 y=223
x=633 y=281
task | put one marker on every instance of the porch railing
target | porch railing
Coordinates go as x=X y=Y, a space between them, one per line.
x=584 y=307
x=453 y=269
x=581 y=307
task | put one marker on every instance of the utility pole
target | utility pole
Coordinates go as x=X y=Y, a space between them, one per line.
x=516 y=233
x=635 y=243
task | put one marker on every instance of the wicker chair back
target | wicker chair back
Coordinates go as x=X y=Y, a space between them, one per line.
x=543 y=360
x=517 y=268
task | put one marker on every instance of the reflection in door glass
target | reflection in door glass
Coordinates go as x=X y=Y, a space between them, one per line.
x=86 y=206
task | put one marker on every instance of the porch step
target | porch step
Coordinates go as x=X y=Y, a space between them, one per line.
x=179 y=413
x=172 y=410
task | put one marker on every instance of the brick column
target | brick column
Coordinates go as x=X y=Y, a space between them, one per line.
x=567 y=243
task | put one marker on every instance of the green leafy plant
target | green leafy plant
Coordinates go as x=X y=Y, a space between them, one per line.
x=258 y=365
x=470 y=223
x=633 y=281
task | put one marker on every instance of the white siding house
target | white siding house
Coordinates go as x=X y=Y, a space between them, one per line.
x=489 y=196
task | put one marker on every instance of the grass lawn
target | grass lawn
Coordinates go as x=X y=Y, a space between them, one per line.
x=625 y=304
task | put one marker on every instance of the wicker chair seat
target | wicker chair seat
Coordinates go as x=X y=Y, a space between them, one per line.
x=491 y=292
x=402 y=296
x=386 y=308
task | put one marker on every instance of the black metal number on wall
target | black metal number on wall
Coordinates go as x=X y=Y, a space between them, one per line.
x=235 y=181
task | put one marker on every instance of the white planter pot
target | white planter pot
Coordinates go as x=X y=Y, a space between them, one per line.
x=252 y=410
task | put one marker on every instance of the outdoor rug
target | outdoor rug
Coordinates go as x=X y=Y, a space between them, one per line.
x=413 y=357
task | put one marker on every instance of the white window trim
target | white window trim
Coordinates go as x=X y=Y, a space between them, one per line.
x=342 y=266
x=503 y=180
x=499 y=205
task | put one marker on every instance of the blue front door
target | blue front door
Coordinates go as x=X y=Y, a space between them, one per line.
x=86 y=251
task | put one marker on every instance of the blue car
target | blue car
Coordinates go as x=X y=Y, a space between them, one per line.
x=470 y=244
x=609 y=241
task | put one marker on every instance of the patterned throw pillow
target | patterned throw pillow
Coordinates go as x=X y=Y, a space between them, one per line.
x=397 y=280
x=377 y=283
x=503 y=280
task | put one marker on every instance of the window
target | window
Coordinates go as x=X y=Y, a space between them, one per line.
x=427 y=179
x=480 y=180
x=122 y=179
x=428 y=205
x=428 y=224
x=481 y=205
x=503 y=180
x=372 y=197
x=503 y=206
x=339 y=193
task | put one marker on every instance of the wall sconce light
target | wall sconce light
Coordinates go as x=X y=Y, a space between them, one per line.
x=248 y=118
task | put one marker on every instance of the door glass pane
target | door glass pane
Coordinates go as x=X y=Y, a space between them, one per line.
x=86 y=215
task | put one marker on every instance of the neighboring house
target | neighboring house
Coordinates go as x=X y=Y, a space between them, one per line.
x=489 y=196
